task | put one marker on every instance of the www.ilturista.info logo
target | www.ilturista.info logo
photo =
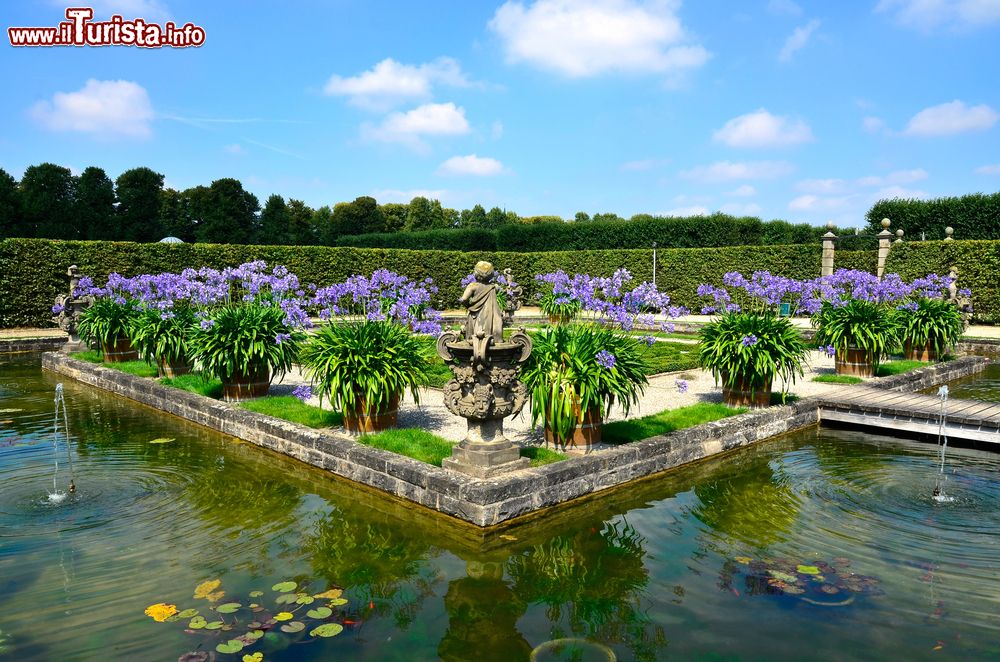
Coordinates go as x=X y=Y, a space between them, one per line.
x=81 y=30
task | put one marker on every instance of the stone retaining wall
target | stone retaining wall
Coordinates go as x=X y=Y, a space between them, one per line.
x=45 y=344
x=480 y=502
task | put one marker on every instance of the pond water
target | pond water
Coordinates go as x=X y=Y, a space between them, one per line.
x=983 y=386
x=823 y=544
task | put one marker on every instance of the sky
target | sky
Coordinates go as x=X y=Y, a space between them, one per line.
x=806 y=111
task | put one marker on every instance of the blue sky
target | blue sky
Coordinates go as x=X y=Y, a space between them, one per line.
x=778 y=108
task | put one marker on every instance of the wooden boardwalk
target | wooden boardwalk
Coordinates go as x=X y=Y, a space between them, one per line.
x=892 y=411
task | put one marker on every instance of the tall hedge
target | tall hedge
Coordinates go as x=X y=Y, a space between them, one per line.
x=974 y=216
x=32 y=270
x=461 y=239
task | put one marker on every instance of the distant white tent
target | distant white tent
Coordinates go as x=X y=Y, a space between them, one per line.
x=171 y=240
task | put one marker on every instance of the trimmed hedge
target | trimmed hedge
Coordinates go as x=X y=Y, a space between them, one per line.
x=460 y=239
x=32 y=270
x=974 y=216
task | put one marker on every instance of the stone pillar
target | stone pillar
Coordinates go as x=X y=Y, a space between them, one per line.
x=829 y=247
x=899 y=236
x=884 y=243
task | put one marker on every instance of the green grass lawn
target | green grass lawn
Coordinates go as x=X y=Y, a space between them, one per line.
x=137 y=368
x=430 y=448
x=622 y=432
x=290 y=408
x=195 y=383
x=670 y=357
x=837 y=379
x=899 y=367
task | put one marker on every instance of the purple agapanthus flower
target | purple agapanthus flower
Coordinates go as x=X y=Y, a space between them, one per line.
x=605 y=359
x=303 y=392
x=749 y=340
x=829 y=349
x=282 y=337
x=682 y=385
x=648 y=340
x=58 y=308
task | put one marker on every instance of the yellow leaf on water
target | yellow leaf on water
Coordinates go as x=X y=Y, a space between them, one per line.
x=215 y=597
x=160 y=611
x=205 y=588
x=743 y=559
x=332 y=593
x=283 y=616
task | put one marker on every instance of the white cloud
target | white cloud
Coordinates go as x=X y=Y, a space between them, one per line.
x=872 y=124
x=826 y=186
x=432 y=119
x=784 y=8
x=479 y=166
x=396 y=195
x=762 y=129
x=950 y=118
x=724 y=171
x=926 y=15
x=744 y=191
x=235 y=148
x=103 y=107
x=989 y=169
x=736 y=209
x=797 y=40
x=897 y=177
x=817 y=203
x=900 y=192
x=695 y=210
x=390 y=83
x=579 y=38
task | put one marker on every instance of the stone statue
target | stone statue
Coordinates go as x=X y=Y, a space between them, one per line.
x=485 y=319
x=68 y=308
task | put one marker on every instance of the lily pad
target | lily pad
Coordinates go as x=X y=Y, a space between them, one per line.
x=228 y=608
x=283 y=616
x=807 y=569
x=284 y=587
x=339 y=602
x=293 y=627
x=319 y=612
x=305 y=600
x=231 y=646
x=188 y=613
x=256 y=657
x=214 y=625
x=197 y=623
x=255 y=634
x=256 y=594
x=783 y=576
x=332 y=593
x=162 y=440
x=204 y=589
x=327 y=630
x=286 y=598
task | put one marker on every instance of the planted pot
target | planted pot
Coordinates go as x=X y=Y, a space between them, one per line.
x=744 y=393
x=555 y=318
x=856 y=362
x=583 y=436
x=365 y=419
x=172 y=368
x=120 y=350
x=247 y=385
x=924 y=352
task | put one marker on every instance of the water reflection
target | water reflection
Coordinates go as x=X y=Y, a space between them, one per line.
x=483 y=611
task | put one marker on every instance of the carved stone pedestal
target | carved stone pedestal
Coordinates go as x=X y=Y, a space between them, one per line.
x=486 y=452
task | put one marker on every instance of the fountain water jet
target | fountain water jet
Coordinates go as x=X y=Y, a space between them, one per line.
x=939 y=494
x=55 y=496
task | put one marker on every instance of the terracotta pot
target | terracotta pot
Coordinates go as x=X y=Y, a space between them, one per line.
x=560 y=319
x=856 y=362
x=920 y=352
x=120 y=350
x=172 y=368
x=247 y=386
x=582 y=436
x=364 y=421
x=743 y=394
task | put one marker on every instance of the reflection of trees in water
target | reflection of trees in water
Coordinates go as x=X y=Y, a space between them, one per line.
x=593 y=579
x=378 y=564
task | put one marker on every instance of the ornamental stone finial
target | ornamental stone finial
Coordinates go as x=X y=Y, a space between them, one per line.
x=886 y=223
x=948 y=232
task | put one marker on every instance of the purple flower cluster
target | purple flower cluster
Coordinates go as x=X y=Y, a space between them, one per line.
x=383 y=296
x=605 y=359
x=749 y=340
x=610 y=299
x=682 y=385
x=648 y=340
x=830 y=350
x=303 y=392
x=58 y=308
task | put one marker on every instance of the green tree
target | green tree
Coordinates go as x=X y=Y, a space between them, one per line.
x=395 y=214
x=139 y=192
x=424 y=214
x=274 y=227
x=452 y=217
x=229 y=214
x=495 y=218
x=95 y=204
x=175 y=215
x=362 y=216
x=300 y=226
x=602 y=218
x=474 y=218
x=322 y=225
x=47 y=195
x=11 y=218
x=195 y=203
x=581 y=217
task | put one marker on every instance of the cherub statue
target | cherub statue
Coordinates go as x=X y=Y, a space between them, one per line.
x=485 y=319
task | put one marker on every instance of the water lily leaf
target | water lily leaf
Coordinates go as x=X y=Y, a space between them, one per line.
x=319 y=612
x=339 y=602
x=284 y=587
x=255 y=634
x=231 y=646
x=197 y=623
x=228 y=608
x=305 y=600
x=256 y=657
x=215 y=597
x=327 y=630
x=807 y=569
x=283 y=616
x=256 y=594
x=332 y=593
x=188 y=613
x=255 y=625
x=293 y=627
x=160 y=611
x=783 y=576
x=205 y=588
x=162 y=440
x=214 y=625
x=286 y=598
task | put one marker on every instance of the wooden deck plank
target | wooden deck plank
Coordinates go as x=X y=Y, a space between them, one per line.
x=972 y=408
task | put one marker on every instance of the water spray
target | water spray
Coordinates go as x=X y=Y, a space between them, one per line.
x=938 y=494
x=60 y=403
